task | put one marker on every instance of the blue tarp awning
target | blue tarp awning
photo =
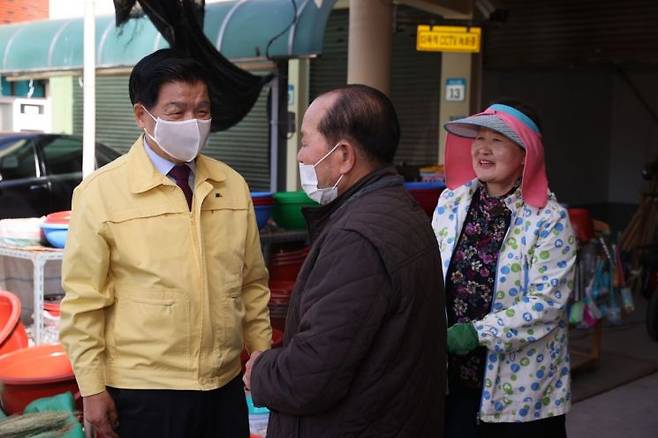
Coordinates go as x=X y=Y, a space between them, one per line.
x=240 y=29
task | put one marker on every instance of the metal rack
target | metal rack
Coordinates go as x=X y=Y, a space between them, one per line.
x=581 y=358
x=39 y=258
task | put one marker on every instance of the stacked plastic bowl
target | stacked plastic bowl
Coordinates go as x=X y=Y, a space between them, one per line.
x=56 y=227
x=286 y=263
x=426 y=194
x=263 y=205
x=32 y=373
x=288 y=209
x=284 y=267
x=280 y=291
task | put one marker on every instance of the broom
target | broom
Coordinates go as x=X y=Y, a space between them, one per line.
x=36 y=425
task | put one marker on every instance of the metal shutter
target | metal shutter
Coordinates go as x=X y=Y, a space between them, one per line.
x=115 y=123
x=245 y=147
x=415 y=91
x=573 y=32
x=415 y=80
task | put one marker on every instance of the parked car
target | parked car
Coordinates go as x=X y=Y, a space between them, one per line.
x=38 y=172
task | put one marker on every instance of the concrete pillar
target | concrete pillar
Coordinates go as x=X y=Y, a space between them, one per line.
x=369 y=44
x=61 y=93
x=298 y=101
x=454 y=66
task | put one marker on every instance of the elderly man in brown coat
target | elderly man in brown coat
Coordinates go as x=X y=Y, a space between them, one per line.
x=364 y=348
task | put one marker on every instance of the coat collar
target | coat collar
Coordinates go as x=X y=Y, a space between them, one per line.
x=464 y=195
x=143 y=176
x=317 y=217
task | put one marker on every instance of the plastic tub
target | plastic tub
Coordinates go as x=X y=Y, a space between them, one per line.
x=424 y=185
x=261 y=195
x=426 y=194
x=285 y=265
x=21 y=232
x=12 y=331
x=55 y=234
x=32 y=373
x=51 y=308
x=59 y=217
x=263 y=201
x=288 y=209
x=263 y=213
x=582 y=223
x=281 y=287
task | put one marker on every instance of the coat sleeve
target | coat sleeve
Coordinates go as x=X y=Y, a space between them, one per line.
x=255 y=291
x=549 y=281
x=344 y=305
x=84 y=280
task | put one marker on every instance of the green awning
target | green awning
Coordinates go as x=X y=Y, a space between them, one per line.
x=240 y=29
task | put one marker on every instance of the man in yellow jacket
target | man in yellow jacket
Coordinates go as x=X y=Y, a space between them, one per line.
x=163 y=272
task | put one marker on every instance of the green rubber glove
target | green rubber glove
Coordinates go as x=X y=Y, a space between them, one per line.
x=462 y=339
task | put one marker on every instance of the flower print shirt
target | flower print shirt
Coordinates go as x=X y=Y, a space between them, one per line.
x=471 y=279
x=526 y=373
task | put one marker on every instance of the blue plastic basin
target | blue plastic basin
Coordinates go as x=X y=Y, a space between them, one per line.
x=258 y=195
x=263 y=213
x=55 y=234
x=422 y=185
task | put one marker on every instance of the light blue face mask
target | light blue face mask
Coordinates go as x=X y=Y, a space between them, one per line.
x=309 y=180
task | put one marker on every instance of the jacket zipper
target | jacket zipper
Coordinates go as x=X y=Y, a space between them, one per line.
x=493 y=302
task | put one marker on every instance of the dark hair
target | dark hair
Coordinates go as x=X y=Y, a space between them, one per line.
x=365 y=116
x=159 y=68
x=525 y=108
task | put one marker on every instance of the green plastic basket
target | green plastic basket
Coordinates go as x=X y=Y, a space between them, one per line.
x=288 y=209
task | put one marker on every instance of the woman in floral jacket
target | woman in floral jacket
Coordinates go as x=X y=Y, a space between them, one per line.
x=508 y=254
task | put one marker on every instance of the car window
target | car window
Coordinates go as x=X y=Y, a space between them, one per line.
x=63 y=155
x=17 y=160
x=105 y=154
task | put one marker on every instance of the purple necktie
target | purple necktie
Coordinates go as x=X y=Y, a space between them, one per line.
x=181 y=174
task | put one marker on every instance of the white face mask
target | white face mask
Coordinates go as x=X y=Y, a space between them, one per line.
x=309 y=180
x=180 y=140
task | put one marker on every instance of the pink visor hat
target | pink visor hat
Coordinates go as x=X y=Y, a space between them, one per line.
x=513 y=124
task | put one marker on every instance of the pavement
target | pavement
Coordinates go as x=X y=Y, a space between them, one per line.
x=619 y=397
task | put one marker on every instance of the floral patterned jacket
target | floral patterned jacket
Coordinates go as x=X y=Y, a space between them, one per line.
x=527 y=372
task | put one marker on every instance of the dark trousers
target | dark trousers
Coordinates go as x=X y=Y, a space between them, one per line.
x=461 y=422
x=181 y=414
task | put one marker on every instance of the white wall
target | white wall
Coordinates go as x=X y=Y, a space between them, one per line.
x=75 y=8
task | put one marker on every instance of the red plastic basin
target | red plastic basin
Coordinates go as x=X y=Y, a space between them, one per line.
x=32 y=373
x=51 y=308
x=59 y=217
x=12 y=331
x=582 y=223
x=426 y=198
x=285 y=269
x=281 y=288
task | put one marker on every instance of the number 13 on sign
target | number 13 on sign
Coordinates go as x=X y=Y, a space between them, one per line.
x=455 y=89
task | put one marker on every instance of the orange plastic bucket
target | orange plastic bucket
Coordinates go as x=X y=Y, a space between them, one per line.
x=52 y=309
x=12 y=330
x=35 y=372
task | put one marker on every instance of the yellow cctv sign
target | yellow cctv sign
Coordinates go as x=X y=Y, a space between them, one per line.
x=448 y=39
